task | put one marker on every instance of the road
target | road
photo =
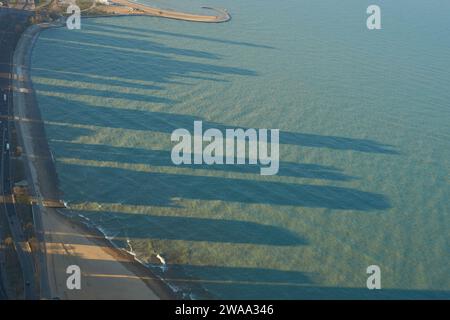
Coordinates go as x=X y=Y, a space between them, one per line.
x=12 y=24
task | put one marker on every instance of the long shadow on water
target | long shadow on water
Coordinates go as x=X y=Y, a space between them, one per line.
x=105 y=116
x=151 y=99
x=98 y=38
x=94 y=79
x=144 y=226
x=259 y=283
x=162 y=158
x=162 y=65
x=146 y=31
x=165 y=187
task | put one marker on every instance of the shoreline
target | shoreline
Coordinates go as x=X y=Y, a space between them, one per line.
x=172 y=14
x=38 y=178
x=117 y=8
x=168 y=283
x=134 y=265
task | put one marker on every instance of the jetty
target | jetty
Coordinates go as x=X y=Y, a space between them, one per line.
x=130 y=7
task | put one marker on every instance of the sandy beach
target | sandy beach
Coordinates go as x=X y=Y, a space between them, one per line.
x=107 y=273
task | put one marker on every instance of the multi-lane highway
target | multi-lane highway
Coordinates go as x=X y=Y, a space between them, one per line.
x=12 y=24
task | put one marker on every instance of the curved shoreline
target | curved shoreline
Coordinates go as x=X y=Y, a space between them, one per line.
x=43 y=179
x=131 y=8
x=223 y=16
x=43 y=183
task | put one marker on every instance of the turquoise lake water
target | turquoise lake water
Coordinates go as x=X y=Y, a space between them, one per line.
x=364 y=143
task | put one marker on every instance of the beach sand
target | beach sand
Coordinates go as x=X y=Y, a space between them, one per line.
x=107 y=273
